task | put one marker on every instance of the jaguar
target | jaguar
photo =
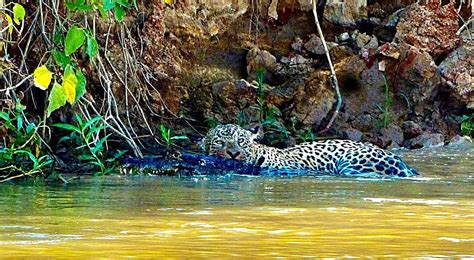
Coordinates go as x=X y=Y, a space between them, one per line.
x=332 y=156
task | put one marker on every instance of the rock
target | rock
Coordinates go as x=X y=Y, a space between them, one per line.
x=415 y=75
x=353 y=134
x=393 y=133
x=364 y=122
x=343 y=37
x=411 y=129
x=460 y=141
x=297 y=45
x=458 y=70
x=313 y=99
x=292 y=66
x=345 y=13
x=315 y=45
x=258 y=60
x=364 y=41
x=425 y=140
x=431 y=28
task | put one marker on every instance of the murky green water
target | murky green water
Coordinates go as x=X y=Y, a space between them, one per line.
x=234 y=216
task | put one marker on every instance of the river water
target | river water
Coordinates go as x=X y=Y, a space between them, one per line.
x=235 y=216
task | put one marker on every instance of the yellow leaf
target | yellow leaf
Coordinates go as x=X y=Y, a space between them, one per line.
x=42 y=77
x=10 y=23
x=69 y=84
x=169 y=2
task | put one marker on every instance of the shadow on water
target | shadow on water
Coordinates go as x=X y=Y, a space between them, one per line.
x=233 y=215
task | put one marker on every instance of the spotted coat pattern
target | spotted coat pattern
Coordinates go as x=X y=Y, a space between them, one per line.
x=343 y=157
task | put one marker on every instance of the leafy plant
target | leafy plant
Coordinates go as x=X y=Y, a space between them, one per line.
x=21 y=152
x=166 y=135
x=307 y=135
x=90 y=139
x=467 y=125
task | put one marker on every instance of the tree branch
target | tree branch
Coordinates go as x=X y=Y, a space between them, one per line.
x=332 y=78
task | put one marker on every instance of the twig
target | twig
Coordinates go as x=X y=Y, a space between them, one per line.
x=332 y=78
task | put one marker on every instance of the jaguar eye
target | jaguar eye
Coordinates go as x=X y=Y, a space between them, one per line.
x=219 y=142
x=241 y=140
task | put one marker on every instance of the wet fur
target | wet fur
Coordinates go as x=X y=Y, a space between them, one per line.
x=330 y=156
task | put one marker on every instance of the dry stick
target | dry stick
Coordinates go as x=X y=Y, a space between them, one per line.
x=332 y=78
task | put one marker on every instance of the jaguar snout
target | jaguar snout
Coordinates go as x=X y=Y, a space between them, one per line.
x=234 y=154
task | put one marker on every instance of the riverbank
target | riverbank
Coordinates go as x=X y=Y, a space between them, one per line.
x=81 y=93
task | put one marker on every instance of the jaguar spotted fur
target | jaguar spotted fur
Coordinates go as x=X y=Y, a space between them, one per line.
x=341 y=157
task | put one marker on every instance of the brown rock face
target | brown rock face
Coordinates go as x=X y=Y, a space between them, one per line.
x=313 y=100
x=415 y=75
x=430 y=28
x=458 y=70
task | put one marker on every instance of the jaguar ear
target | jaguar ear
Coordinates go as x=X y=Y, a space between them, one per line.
x=257 y=130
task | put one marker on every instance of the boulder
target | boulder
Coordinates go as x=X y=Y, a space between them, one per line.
x=414 y=73
x=315 y=45
x=345 y=13
x=364 y=41
x=352 y=134
x=260 y=60
x=393 y=133
x=297 y=45
x=458 y=71
x=411 y=129
x=313 y=99
x=425 y=140
x=461 y=141
x=431 y=28
x=364 y=122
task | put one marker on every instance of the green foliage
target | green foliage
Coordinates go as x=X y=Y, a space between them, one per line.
x=57 y=98
x=212 y=122
x=386 y=107
x=467 y=125
x=306 y=135
x=90 y=139
x=21 y=152
x=18 y=13
x=75 y=38
x=166 y=135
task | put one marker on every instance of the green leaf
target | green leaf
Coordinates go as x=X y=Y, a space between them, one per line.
x=86 y=157
x=79 y=120
x=57 y=98
x=75 y=37
x=70 y=83
x=68 y=127
x=61 y=59
x=18 y=13
x=10 y=23
x=108 y=4
x=81 y=84
x=19 y=123
x=119 y=13
x=5 y=116
x=58 y=38
x=134 y=2
x=31 y=126
x=92 y=47
x=102 y=11
x=92 y=121
x=123 y=3
x=84 y=8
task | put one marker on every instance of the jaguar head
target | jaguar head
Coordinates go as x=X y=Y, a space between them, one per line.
x=230 y=141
